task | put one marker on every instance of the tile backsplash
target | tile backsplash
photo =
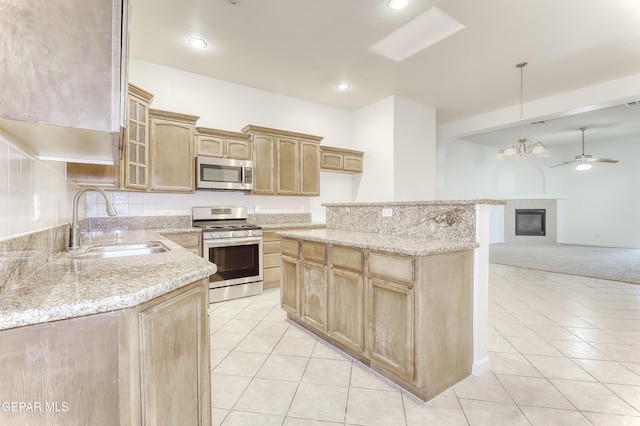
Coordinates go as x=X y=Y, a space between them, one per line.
x=34 y=194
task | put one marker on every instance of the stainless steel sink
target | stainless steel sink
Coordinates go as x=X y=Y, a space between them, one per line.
x=121 y=250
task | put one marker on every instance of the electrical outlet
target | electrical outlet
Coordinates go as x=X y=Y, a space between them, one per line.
x=387 y=212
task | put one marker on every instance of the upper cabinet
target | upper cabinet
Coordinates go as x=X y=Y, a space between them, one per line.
x=340 y=160
x=136 y=139
x=285 y=163
x=224 y=144
x=172 y=140
x=64 y=65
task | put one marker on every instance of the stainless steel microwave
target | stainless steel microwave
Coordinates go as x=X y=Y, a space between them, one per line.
x=224 y=173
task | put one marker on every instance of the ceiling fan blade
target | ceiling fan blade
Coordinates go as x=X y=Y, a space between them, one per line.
x=563 y=163
x=604 y=160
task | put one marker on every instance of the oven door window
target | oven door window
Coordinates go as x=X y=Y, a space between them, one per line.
x=235 y=262
x=215 y=173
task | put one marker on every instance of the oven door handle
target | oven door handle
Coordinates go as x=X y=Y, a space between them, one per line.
x=231 y=242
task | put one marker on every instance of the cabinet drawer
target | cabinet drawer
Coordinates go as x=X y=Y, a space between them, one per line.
x=271 y=260
x=346 y=257
x=271 y=235
x=270 y=276
x=289 y=246
x=269 y=247
x=394 y=267
x=313 y=251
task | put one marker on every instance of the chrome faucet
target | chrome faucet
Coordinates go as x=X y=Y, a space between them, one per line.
x=74 y=231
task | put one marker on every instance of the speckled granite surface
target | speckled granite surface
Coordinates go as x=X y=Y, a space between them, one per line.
x=307 y=225
x=411 y=246
x=263 y=219
x=137 y=222
x=20 y=256
x=418 y=203
x=445 y=222
x=66 y=288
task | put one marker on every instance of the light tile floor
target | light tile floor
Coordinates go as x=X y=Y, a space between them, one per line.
x=564 y=350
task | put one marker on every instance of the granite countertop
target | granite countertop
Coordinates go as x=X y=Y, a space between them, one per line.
x=308 y=225
x=418 y=203
x=68 y=288
x=412 y=246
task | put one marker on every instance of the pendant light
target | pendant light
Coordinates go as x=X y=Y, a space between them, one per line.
x=525 y=146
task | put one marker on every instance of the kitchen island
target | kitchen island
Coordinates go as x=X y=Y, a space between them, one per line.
x=393 y=285
x=119 y=340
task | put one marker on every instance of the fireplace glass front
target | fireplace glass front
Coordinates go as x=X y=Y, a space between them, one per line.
x=530 y=222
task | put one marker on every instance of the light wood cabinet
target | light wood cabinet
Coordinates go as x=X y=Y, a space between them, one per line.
x=391 y=329
x=314 y=288
x=346 y=296
x=340 y=160
x=289 y=295
x=309 y=169
x=191 y=241
x=407 y=317
x=224 y=144
x=264 y=158
x=147 y=364
x=271 y=254
x=285 y=163
x=65 y=64
x=136 y=140
x=172 y=162
x=287 y=166
x=175 y=363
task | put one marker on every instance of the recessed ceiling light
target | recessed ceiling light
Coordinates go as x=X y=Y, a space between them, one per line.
x=197 y=43
x=398 y=4
x=343 y=86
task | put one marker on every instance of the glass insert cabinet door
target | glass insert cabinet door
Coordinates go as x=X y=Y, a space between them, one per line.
x=137 y=143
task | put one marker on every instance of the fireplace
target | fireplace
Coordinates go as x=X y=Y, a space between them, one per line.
x=531 y=222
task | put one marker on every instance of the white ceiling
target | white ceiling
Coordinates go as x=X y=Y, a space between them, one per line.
x=303 y=48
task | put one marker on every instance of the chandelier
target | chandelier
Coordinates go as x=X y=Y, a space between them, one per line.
x=525 y=146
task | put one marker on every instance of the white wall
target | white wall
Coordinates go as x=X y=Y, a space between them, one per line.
x=602 y=205
x=414 y=151
x=373 y=134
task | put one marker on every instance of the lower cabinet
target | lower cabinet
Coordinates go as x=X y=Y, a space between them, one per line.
x=407 y=317
x=271 y=254
x=145 y=365
x=391 y=332
x=175 y=373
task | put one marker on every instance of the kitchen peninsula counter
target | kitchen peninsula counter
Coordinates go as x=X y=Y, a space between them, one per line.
x=411 y=246
x=67 y=288
x=399 y=286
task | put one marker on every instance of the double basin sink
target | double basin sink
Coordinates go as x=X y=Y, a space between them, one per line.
x=121 y=250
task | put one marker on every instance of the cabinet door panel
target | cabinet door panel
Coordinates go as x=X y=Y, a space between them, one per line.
x=240 y=150
x=309 y=169
x=289 y=294
x=313 y=304
x=176 y=362
x=210 y=146
x=172 y=162
x=391 y=327
x=263 y=165
x=287 y=167
x=347 y=308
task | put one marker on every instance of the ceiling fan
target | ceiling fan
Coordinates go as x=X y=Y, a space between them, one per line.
x=585 y=160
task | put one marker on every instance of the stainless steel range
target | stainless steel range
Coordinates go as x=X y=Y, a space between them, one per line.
x=235 y=247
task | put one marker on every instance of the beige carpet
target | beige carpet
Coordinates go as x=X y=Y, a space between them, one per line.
x=616 y=264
